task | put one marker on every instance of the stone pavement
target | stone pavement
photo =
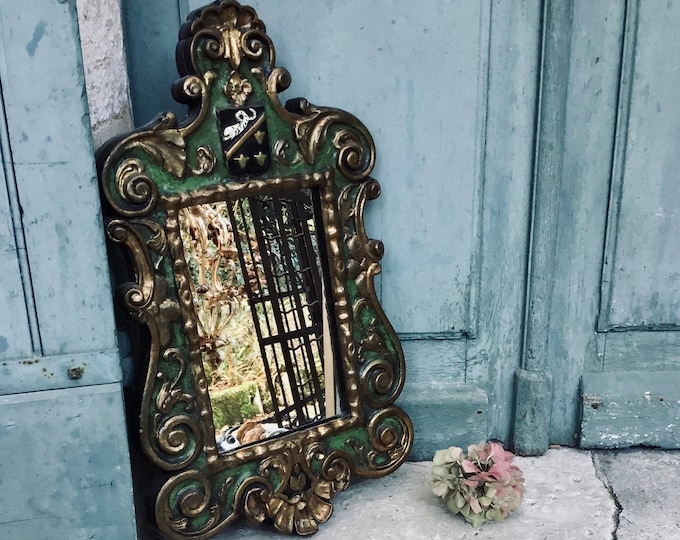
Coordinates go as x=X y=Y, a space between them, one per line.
x=570 y=494
x=645 y=485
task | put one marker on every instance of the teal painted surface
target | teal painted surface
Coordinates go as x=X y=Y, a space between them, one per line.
x=609 y=190
x=445 y=415
x=630 y=351
x=51 y=150
x=443 y=409
x=150 y=30
x=397 y=88
x=533 y=400
x=534 y=387
x=518 y=154
x=434 y=360
x=43 y=89
x=419 y=81
x=32 y=374
x=611 y=400
x=15 y=335
x=591 y=81
x=494 y=355
x=65 y=468
x=641 y=285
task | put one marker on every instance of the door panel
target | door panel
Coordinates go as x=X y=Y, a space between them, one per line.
x=591 y=79
x=479 y=184
x=424 y=100
x=641 y=281
x=52 y=155
x=630 y=393
x=448 y=90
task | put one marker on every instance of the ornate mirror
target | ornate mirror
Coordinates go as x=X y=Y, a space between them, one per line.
x=268 y=368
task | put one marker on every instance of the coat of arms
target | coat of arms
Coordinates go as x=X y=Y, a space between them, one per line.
x=245 y=143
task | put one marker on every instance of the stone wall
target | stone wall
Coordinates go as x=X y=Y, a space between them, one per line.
x=101 y=34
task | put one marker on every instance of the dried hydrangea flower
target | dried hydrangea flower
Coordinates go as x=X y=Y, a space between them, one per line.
x=482 y=485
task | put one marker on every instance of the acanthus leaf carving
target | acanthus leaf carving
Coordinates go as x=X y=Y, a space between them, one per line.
x=300 y=500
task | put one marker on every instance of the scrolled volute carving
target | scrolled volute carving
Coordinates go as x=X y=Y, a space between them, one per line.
x=170 y=392
x=135 y=194
x=183 y=501
x=135 y=296
x=126 y=180
x=179 y=438
x=356 y=150
x=391 y=435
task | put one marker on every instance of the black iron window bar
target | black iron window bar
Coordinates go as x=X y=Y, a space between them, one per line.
x=279 y=256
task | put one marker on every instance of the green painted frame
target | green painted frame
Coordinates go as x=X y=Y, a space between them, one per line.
x=226 y=61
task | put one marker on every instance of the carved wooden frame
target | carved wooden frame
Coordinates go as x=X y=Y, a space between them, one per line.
x=226 y=59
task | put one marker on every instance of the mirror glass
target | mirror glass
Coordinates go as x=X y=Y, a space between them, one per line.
x=257 y=283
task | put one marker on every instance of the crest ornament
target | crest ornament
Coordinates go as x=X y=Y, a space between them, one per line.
x=245 y=141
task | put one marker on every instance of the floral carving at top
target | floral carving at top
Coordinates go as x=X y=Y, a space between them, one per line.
x=224 y=25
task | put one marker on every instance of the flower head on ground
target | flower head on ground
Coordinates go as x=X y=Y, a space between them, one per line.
x=482 y=485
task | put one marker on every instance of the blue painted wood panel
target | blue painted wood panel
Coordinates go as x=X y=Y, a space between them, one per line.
x=514 y=60
x=499 y=136
x=423 y=99
x=449 y=92
x=151 y=30
x=64 y=471
x=15 y=336
x=641 y=285
x=631 y=408
x=65 y=466
x=43 y=88
x=590 y=81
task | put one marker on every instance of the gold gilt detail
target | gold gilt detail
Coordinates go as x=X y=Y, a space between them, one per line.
x=238 y=89
x=206 y=160
x=300 y=500
x=227 y=30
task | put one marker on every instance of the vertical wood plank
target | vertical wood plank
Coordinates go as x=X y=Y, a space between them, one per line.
x=15 y=336
x=396 y=96
x=641 y=284
x=49 y=134
x=495 y=354
x=592 y=85
x=533 y=390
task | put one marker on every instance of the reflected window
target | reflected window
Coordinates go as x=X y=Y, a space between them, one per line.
x=259 y=297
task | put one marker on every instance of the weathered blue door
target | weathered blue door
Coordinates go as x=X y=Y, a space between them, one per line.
x=631 y=384
x=528 y=156
x=64 y=461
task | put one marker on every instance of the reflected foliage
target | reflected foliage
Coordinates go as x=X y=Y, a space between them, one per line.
x=257 y=291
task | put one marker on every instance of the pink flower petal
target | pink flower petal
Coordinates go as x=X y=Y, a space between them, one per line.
x=469 y=467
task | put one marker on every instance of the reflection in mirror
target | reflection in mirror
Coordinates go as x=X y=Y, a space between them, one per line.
x=258 y=294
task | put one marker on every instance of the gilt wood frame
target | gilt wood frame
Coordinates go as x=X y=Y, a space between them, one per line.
x=226 y=61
